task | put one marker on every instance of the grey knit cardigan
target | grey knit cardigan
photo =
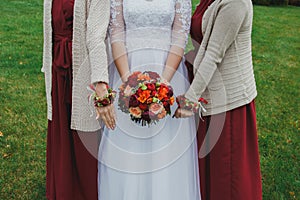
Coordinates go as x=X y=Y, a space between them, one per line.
x=91 y=18
x=223 y=65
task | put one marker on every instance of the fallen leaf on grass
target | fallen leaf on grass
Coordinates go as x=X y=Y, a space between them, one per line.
x=1 y=134
x=6 y=155
x=292 y=195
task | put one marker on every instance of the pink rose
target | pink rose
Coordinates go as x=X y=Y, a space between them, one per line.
x=156 y=108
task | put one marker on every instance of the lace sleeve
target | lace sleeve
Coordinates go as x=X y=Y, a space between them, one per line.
x=116 y=25
x=182 y=21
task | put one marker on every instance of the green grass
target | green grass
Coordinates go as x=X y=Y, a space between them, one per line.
x=276 y=50
x=23 y=123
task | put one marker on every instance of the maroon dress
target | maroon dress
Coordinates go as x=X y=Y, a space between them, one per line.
x=231 y=171
x=71 y=169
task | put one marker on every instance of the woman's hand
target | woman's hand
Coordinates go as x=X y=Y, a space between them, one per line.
x=182 y=113
x=107 y=113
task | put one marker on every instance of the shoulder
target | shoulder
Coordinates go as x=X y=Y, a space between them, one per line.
x=236 y=3
x=235 y=7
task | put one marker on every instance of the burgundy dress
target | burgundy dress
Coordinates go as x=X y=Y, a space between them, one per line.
x=71 y=169
x=231 y=171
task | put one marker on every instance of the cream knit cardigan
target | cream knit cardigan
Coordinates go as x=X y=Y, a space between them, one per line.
x=91 y=18
x=223 y=65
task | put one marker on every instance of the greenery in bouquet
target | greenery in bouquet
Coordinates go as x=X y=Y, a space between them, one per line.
x=146 y=97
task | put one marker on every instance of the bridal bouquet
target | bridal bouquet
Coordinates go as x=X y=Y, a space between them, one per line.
x=145 y=97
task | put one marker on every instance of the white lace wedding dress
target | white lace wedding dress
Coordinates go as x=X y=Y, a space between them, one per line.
x=159 y=162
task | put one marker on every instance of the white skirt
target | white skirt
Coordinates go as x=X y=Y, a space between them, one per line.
x=159 y=162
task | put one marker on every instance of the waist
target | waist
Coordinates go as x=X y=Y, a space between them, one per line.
x=148 y=38
x=62 y=36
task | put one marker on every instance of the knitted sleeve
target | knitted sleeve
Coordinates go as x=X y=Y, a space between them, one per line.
x=225 y=29
x=97 y=24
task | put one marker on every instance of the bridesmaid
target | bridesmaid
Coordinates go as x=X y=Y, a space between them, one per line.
x=223 y=75
x=74 y=56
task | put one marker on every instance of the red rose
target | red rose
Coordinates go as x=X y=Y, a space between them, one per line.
x=165 y=99
x=162 y=85
x=105 y=102
x=151 y=86
x=133 y=102
x=139 y=91
x=154 y=93
x=165 y=103
x=143 y=106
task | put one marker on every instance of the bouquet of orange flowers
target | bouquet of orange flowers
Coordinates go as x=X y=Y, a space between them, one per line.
x=145 y=97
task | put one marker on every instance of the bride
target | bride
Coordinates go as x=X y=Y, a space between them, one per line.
x=158 y=162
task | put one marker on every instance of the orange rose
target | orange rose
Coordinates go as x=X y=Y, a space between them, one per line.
x=144 y=96
x=156 y=108
x=136 y=112
x=162 y=93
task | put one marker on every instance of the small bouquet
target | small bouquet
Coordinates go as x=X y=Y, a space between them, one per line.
x=102 y=101
x=146 y=97
x=194 y=107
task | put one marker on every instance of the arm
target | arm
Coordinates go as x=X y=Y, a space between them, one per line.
x=225 y=29
x=180 y=31
x=117 y=35
x=97 y=23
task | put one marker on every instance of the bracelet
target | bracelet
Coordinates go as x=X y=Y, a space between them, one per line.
x=106 y=100
x=186 y=104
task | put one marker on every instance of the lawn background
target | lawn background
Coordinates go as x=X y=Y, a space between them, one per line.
x=23 y=123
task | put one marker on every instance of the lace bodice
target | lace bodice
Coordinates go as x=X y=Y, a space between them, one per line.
x=150 y=23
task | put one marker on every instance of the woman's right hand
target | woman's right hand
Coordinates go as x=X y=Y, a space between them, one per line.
x=182 y=113
x=106 y=114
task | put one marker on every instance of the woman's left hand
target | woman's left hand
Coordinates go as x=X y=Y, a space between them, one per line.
x=182 y=113
x=106 y=114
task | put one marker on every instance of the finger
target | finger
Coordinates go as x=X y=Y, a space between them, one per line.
x=102 y=113
x=108 y=115
x=106 y=122
x=112 y=116
x=186 y=113
x=181 y=113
